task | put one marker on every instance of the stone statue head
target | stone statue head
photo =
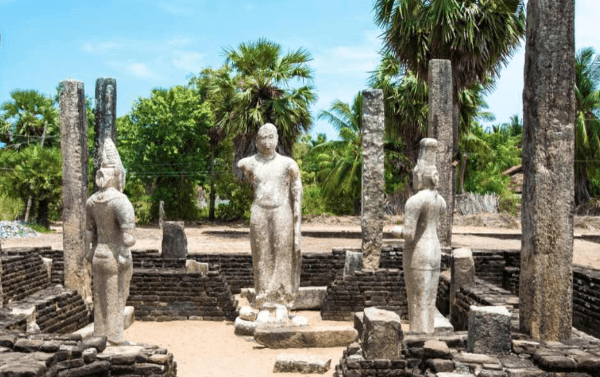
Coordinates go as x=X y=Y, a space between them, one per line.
x=266 y=139
x=112 y=172
x=425 y=175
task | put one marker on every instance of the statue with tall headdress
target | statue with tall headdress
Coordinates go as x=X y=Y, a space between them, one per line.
x=110 y=233
x=422 y=250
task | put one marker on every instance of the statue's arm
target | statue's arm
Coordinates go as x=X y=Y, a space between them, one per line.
x=91 y=235
x=245 y=166
x=411 y=216
x=126 y=218
x=296 y=191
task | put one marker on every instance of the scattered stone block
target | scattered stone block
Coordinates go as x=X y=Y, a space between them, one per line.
x=305 y=337
x=89 y=355
x=297 y=363
x=440 y=365
x=247 y=313
x=475 y=358
x=244 y=327
x=174 y=242
x=382 y=337
x=193 y=267
x=436 y=349
x=489 y=330
x=121 y=355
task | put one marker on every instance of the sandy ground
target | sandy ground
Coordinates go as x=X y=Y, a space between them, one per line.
x=211 y=349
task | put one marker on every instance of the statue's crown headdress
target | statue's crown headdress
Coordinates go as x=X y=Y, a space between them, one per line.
x=110 y=155
x=427 y=156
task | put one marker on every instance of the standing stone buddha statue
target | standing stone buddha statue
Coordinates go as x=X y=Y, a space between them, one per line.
x=110 y=234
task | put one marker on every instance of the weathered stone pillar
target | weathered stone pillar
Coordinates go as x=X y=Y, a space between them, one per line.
x=73 y=136
x=174 y=242
x=161 y=214
x=440 y=128
x=462 y=275
x=372 y=177
x=546 y=281
x=106 y=117
x=353 y=262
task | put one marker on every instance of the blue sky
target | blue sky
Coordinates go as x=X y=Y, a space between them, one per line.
x=151 y=43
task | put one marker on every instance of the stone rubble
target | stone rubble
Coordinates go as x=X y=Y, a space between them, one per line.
x=14 y=229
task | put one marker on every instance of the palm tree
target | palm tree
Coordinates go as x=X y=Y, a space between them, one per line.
x=477 y=36
x=261 y=92
x=406 y=106
x=28 y=118
x=341 y=160
x=587 y=125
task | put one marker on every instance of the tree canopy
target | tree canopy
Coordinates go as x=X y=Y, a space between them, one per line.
x=163 y=143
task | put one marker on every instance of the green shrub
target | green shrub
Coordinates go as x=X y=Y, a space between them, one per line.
x=312 y=201
x=10 y=208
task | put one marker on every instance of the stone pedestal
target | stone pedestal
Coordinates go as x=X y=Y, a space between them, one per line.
x=549 y=107
x=382 y=338
x=74 y=148
x=462 y=274
x=489 y=330
x=106 y=117
x=441 y=129
x=353 y=262
x=372 y=177
x=174 y=242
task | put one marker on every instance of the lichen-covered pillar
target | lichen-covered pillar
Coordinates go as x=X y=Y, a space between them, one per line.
x=441 y=129
x=372 y=177
x=73 y=136
x=549 y=106
x=106 y=117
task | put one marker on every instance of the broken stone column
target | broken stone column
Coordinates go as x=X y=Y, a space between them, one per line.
x=74 y=148
x=174 y=242
x=106 y=117
x=161 y=214
x=440 y=128
x=549 y=105
x=372 y=178
x=353 y=262
x=489 y=330
x=382 y=337
x=462 y=275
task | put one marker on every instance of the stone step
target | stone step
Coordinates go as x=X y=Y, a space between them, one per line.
x=305 y=337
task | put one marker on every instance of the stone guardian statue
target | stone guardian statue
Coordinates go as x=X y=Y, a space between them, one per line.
x=110 y=233
x=422 y=250
x=275 y=220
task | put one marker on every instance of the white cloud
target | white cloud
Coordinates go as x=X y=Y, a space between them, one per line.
x=100 y=47
x=137 y=69
x=172 y=8
x=355 y=59
x=188 y=61
x=140 y=70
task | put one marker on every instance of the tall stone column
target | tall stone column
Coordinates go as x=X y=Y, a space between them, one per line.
x=441 y=129
x=549 y=107
x=106 y=117
x=73 y=135
x=372 y=177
